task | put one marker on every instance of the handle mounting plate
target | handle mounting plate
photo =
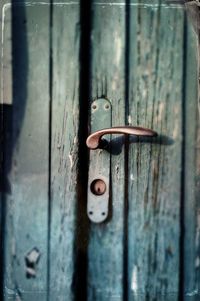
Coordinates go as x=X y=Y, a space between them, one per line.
x=99 y=165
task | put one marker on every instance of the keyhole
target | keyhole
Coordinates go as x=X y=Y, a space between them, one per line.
x=98 y=187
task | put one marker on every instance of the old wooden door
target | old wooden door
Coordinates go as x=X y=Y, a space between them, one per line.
x=56 y=58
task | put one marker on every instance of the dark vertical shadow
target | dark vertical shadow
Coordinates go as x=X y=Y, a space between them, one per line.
x=182 y=198
x=12 y=116
x=126 y=157
x=82 y=222
x=6 y=152
x=1 y=201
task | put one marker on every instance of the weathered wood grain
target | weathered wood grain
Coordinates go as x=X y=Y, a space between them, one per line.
x=139 y=51
x=26 y=206
x=105 y=251
x=3 y=111
x=5 y=106
x=6 y=53
x=64 y=149
x=191 y=223
x=155 y=101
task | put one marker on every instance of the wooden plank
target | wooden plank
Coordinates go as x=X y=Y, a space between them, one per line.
x=105 y=250
x=5 y=115
x=25 y=253
x=64 y=149
x=191 y=266
x=155 y=101
x=6 y=53
x=6 y=76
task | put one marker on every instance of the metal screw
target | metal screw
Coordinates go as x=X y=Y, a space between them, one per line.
x=94 y=106
x=107 y=107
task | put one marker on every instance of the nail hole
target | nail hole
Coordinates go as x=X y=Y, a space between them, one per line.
x=90 y=213
x=107 y=106
x=103 y=213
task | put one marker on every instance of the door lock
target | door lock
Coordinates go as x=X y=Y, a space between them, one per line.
x=98 y=187
x=100 y=160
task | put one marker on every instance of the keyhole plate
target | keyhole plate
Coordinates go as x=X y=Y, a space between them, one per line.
x=98 y=200
x=99 y=166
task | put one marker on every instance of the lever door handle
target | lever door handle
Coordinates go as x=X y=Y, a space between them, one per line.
x=100 y=162
x=95 y=140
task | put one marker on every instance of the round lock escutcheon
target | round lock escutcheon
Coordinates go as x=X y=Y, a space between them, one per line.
x=98 y=187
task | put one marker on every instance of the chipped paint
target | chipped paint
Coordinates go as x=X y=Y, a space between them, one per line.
x=129 y=120
x=176 y=130
x=73 y=152
x=192 y=293
x=118 y=47
x=161 y=110
x=31 y=260
x=134 y=279
x=115 y=81
x=197 y=262
x=71 y=160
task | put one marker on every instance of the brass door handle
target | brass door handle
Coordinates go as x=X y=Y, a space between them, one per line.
x=95 y=140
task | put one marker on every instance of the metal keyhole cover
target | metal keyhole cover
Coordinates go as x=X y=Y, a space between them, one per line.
x=98 y=187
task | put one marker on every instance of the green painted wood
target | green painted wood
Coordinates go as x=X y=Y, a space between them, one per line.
x=5 y=113
x=27 y=204
x=6 y=49
x=155 y=101
x=149 y=261
x=105 y=250
x=191 y=171
x=64 y=149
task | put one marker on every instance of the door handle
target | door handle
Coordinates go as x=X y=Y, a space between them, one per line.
x=95 y=140
x=99 y=195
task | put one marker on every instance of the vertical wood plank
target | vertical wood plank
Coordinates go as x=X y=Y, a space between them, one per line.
x=26 y=232
x=155 y=101
x=191 y=187
x=5 y=80
x=5 y=115
x=105 y=251
x=64 y=148
x=6 y=53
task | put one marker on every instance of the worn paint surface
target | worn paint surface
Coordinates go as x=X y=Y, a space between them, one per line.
x=64 y=149
x=107 y=75
x=155 y=101
x=26 y=156
x=191 y=172
x=141 y=56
